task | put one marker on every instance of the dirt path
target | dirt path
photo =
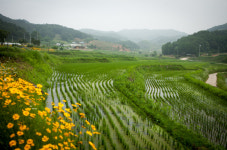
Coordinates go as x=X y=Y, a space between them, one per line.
x=212 y=80
x=184 y=58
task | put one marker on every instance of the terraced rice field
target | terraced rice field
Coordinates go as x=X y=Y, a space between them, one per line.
x=189 y=105
x=120 y=126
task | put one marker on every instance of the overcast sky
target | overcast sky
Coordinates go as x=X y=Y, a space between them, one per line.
x=113 y=15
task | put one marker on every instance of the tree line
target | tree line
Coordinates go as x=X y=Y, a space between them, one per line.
x=203 y=42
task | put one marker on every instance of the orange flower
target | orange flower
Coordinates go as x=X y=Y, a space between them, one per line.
x=23 y=127
x=96 y=133
x=93 y=127
x=45 y=138
x=27 y=147
x=92 y=145
x=82 y=115
x=78 y=104
x=39 y=86
x=21 y=141
x=12 y=143
x=38 y=133
x=47 y=109
x=20 y=133
x=10 y=125
x=32 y=115
x=88 y=123
x=25 y=113
x=30 y=141
x=27 y=109
x=16 y=116
x=80 y=142
x=12 y=135
x=48 y=130
x=89 y=133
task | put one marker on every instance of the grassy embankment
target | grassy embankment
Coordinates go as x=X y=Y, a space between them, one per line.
x=26 y=122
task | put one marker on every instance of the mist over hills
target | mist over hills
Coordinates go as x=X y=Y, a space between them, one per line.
x=134 y=39
x=145 y=38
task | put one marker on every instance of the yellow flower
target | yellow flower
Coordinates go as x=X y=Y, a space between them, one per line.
x=60 y=137
x=20 y=133
x=82 y=115
x=64 y=101
x=25 y=113
x=16 y=116
x=72 y=146
x=89 y=133
x=45 y=138
x=27 y=147
x=10 y=125
x=65 y=143
x=32 y=115
x=48 y=130
x=88 y=123
x=17 y=149
x=80 y=142
x=92 y=145
x=55 y=129
x=23 y=127
x=38 y=133
x=12 y=143
x=13 y=103
x=21 y=141
x=60 y=144
x=60 y=104
x=27 y=109
x=8 y=101
x=12 y=135
x=96 y=133
x=30 y=141
x=47 y=109
x=78 y=104
x=93 y=127
x=39 y=86
x=66 y=134
x=68 y=110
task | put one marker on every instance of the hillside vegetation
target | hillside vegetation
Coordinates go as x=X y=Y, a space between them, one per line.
x=203 y=42
x=46 y=32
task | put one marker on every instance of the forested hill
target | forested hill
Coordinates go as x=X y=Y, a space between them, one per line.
x=46 y=32
x=203 y=42
x=15 y=33
x=218 y=28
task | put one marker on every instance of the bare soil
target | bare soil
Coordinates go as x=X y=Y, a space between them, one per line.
x=212 y=80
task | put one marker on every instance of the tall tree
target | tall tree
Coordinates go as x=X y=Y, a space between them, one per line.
x=3 y=35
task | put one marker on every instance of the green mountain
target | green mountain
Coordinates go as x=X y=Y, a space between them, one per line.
x=47 y=32
x=15 y=33
x=203 y=42
x=219 y=28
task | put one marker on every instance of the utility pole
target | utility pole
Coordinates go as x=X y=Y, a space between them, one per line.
x=199 y=49
x=37 y=35
x=30 y=39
